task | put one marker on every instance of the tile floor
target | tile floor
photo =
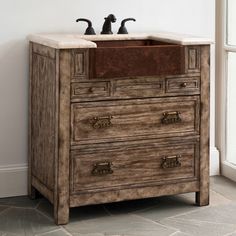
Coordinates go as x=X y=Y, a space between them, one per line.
x=163 y=216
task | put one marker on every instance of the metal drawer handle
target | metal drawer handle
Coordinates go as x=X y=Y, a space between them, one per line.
x=102 y=168
x=171 y=117
x=183 y=85
x=171 y=162
x=101 y=122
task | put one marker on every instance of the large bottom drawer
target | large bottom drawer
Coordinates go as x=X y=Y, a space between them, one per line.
x=100 y=167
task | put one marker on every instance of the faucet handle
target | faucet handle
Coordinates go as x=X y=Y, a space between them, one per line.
x=89 y=30
x=122 y=29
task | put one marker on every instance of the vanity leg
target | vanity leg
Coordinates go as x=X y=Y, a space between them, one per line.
x=202 y=198
x=61 y=214
x=62 y=159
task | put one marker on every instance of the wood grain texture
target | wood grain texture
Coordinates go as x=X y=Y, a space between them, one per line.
x=192 y=59
x=79 y=64
x=90 y=90
x=61 y=193
x=42 y=118
x=134 y=119
x=138 y=87
x=184 y=85
x=31 y=189
x=44 y=50
x=202 y=197
x=43 y=189
x=135 y=87
x=133 y=193
x=133 y=165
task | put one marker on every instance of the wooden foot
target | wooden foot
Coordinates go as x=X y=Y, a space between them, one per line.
x=202 y=198
x=61 y=215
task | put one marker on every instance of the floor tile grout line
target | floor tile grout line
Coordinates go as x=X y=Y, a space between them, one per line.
x=19 y=207
x=154 y=222
x=144 y=209
x=66 y=231
x=176 y=233
x=45 y=215
x=222 y=195
x=228 y=234
x=37 y=205
x=200 y=221
x=189 y=212
x=7 y=209
x=50 y=231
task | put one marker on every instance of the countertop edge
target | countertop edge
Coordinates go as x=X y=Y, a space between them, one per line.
x=69 y=41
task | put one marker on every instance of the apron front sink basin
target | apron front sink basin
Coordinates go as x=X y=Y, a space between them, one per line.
x=131 y=58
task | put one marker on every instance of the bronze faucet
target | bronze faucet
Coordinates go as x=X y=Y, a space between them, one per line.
x=89 y=30
x=122 y=29
x=106 y=29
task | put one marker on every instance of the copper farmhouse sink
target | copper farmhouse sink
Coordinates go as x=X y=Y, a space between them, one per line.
x=127 y=58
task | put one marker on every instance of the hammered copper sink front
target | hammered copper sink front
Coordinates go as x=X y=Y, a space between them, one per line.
x=122 y=58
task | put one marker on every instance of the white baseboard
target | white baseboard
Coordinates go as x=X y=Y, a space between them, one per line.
x=13 y=180
x=228 y=170
x=214 y=161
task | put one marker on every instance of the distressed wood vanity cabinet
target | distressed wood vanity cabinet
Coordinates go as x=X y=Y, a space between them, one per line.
x=97 y=138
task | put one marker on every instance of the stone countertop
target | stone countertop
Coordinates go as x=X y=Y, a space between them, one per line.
x=65 y=41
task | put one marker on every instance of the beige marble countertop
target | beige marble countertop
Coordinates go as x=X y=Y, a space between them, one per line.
x=64 y=41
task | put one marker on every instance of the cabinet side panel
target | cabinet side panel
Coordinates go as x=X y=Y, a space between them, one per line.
x=202 y=197
x=61 y=193
x=43 y=118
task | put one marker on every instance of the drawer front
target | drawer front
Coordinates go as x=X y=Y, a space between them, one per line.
x=133 y=165
x=80 y=91
x=109 y=121
x=138 y=87
x=183 y=85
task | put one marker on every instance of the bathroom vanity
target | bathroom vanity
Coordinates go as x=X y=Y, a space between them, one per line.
x=118 y=117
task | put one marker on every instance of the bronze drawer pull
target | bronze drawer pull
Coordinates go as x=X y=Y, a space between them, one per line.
x=171 y=117
x=171 y=162
x=101 y=122
x=183 y=85
x=102 y=168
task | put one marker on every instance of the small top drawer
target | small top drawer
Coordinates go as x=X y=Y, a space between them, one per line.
x=184 y=85
x=138 y=87
x=85 y=90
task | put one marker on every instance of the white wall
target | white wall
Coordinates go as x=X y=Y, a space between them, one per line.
x=20 y=18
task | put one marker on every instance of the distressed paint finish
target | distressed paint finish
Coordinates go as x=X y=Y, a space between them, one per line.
x=131 y=119
x=115 y=126
x=42 y=118
x=61 y=192
x=202 y=197
x=128 y=162
x=131 y=193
